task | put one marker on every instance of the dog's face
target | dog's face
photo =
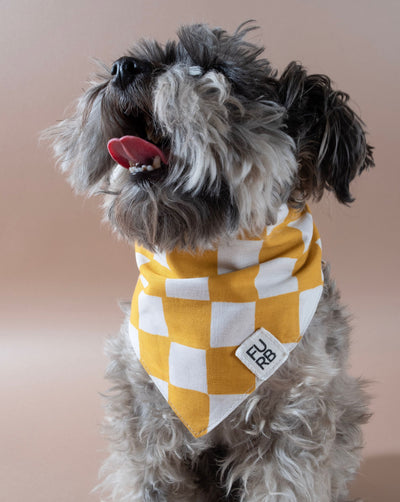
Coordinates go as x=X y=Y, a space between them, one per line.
x=212 y=141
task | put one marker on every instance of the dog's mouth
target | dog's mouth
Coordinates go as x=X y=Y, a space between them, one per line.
x=137 y=154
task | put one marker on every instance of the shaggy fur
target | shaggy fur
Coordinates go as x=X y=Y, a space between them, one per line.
x=241 y=141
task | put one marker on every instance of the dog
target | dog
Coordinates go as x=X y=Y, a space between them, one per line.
x=229 y=375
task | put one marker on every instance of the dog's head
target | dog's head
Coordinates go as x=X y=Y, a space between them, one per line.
x=226 y=139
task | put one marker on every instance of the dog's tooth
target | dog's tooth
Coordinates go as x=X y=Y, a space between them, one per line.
x=157 y=162
x=142 y=168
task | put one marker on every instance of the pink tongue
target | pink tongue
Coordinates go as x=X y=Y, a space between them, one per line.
x=130 y=150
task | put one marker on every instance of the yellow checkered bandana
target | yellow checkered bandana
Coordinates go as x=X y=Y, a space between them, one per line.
x=191 y=315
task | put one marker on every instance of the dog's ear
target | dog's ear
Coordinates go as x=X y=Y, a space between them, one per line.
x=329 y=137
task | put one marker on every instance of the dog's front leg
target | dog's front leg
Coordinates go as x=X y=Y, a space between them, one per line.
x=276 y=460
x=151 y=451
x=309 y=463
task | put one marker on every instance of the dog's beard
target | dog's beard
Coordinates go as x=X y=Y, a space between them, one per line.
x=159 y=216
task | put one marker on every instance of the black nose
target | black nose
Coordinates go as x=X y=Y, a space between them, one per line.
x=126 y=69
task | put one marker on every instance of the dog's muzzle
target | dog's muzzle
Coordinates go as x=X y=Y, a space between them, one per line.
x=126 y=69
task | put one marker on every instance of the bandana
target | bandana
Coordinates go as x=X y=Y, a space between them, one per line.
x=209 y=328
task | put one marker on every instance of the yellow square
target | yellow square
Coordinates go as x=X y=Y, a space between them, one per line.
x=158 y=347
x=184 y=264
x=280 y=316
x=192 y=407
x=286 y=242
x=188 y=321
x=238 y=286
x=227 y=374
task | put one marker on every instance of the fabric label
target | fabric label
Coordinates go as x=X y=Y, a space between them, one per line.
x=262 y=353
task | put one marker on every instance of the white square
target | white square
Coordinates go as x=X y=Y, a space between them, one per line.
x=143 y=280
x=161 y=386
x=275 y=278
x=231 y=323
x=188 y=367
x=222 y=405
x=151 y=315
x=141 y=259
x=188 y=289
x=239 y=254
x=134 y=338
x=306 y=227
x=308 y=303
x=161 y=257
x=281 y=217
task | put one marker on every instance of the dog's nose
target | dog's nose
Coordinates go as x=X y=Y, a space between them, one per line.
x=126 y=69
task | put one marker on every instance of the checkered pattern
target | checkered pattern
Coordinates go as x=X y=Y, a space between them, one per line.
x=190 y=313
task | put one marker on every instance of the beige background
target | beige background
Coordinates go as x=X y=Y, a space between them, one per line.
x=62 y=271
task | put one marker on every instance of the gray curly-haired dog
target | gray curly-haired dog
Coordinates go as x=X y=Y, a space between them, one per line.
x=213 y=155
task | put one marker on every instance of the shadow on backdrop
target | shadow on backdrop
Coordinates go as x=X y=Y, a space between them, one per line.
x=378 y=479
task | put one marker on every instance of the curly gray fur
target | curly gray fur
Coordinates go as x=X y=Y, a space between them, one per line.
x=241 y=142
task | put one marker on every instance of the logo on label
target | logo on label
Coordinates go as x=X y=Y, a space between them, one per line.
x=267 y=355
x=262 y=353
